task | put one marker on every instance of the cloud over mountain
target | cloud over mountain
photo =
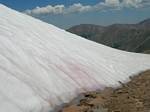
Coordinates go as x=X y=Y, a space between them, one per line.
x=80 y=8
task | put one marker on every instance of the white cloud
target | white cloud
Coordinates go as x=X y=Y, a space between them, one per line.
x=132 y=3
x=58 y=9
x=79 y=8
x=112 y=2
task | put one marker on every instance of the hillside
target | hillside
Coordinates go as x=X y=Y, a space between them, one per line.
x=130 y=97
x=43 y=67
x=128 y=37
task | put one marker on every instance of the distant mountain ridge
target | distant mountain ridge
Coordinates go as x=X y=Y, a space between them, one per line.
x=128 y=37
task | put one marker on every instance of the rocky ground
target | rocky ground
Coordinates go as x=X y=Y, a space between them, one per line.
x=131 y=97
x=147 y=52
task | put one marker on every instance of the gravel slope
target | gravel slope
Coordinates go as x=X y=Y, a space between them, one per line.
x=131 y=97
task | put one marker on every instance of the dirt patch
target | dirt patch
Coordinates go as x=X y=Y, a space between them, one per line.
x=131 y=97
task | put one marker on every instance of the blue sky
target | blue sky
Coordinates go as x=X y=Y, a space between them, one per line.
x=66 y=13
x=30 y=4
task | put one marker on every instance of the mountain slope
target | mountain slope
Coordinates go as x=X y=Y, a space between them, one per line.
x=42 y=66
x=130 y=97
x=126 y=37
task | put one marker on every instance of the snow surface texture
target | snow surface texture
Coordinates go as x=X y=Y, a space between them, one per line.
x=42 y=66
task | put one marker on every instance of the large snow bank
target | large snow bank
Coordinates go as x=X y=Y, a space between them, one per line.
x=42 y=66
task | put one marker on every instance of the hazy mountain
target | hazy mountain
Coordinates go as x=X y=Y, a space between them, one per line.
x=129 y=37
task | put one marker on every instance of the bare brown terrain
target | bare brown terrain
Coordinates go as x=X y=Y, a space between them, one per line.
x=133 y=96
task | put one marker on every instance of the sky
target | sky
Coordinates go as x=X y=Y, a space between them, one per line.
x=67 y=13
